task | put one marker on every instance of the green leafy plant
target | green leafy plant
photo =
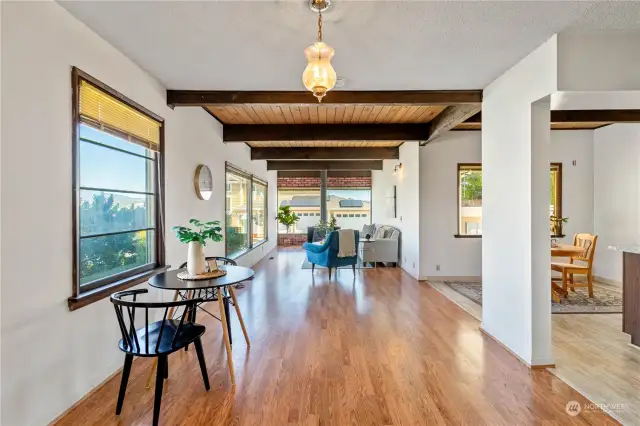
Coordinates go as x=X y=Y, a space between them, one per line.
x=327 y=226
x=204 y=231
x=556 y=224
x=333 y=223
x=286 y=217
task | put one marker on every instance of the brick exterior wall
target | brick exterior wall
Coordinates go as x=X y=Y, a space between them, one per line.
x=291 y=239
x=332 y=182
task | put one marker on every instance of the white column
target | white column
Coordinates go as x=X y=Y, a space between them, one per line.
x=515 y=207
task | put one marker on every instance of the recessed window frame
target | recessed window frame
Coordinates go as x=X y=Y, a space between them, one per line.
x=557 y=167
x=88 y=293
x=230 y=168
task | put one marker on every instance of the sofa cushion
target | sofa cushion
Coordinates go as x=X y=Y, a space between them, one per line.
x=380 y=231
x=368 y=229
x=395 y=234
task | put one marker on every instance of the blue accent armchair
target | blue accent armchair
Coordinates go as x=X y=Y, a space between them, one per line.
x=327 y=254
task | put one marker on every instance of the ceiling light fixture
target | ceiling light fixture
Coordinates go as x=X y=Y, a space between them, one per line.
x=319 y=77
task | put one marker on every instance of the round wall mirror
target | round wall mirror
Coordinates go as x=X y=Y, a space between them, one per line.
x=203 y=182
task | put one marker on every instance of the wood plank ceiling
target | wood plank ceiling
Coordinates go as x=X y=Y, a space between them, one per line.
x=324 y=114
x=353 y=129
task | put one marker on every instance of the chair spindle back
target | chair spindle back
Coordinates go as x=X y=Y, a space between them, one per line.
x=130 y=338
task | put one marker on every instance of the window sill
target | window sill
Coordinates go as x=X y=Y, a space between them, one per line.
x=97 y=294
x=245 y=251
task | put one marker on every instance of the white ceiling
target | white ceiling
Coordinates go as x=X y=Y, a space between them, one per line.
x=394 y=45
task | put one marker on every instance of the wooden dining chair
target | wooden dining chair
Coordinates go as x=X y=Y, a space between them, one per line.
x=583 y=267
x=158 y=339
x=209 y=259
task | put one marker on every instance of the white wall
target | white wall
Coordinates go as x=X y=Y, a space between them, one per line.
x=408 y=207
x=586 y=61
x=616 y=195
x=462 y=257
x=52 y=357
x=596 y=100
x=457 y=257
x=515 y=243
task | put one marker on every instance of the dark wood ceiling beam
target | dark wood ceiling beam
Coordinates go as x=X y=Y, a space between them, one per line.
x=449 y=118
x=280 y=153
x=324 y=132
x=584 y=116
x=595 y=115
x=324 y=165
x=388 y=97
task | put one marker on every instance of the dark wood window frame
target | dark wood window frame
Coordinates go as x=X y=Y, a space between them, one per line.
x=104 y=287
x=230 y=168
x=558 y=194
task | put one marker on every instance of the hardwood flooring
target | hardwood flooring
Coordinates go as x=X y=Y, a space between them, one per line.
x=380 y=349
x=592 y=355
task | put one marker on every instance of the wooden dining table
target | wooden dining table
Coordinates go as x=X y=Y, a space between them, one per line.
x=563 y=250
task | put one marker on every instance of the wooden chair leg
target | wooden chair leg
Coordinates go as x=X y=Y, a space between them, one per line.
x=203 y=365
x=590 y=285
x=128 y=360
x=329 y=274
x=235 y=304
x=225 y=333
x=564 y=283
x=573 y=289
x=162 y=366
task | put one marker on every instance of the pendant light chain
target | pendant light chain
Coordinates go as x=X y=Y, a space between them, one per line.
x=319 y=25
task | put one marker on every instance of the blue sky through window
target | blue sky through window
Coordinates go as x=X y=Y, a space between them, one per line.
x=356 y=194
x=106 y=168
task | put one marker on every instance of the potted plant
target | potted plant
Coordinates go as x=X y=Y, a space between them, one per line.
x=286 y=217
x=333 y=223
x=197 y=239
x=556 y=224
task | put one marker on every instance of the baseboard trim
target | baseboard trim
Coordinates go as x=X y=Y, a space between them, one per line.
x=607 y=281
x=531 y=367
x=463 y=278
x=87 y=395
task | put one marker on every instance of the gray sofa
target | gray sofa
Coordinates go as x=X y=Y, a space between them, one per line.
x=383 y=246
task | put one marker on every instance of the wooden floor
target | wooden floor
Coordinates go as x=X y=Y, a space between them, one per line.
x=380 y=349
x=592 y=355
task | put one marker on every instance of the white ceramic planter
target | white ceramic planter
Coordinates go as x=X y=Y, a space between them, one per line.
x=196 y=263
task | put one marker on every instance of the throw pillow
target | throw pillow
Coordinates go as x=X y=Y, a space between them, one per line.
x=368 y=229
x=380 y=232
x=395 y=234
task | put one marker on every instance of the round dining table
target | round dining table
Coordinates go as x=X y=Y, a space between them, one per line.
x=220 y=289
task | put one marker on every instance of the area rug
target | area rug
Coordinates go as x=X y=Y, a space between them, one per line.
x=607 y=300
x=307 y=265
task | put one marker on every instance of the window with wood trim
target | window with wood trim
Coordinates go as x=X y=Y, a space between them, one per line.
x=246 y=211
x=118 y=203
x=470 y=199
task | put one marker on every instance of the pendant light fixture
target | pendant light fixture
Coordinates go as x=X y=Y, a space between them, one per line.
x=319 y=77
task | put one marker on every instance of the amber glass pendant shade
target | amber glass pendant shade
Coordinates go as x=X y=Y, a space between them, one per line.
x=319 y=77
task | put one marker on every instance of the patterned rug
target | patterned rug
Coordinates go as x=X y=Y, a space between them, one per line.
x=307 y=265
x=606 y=300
